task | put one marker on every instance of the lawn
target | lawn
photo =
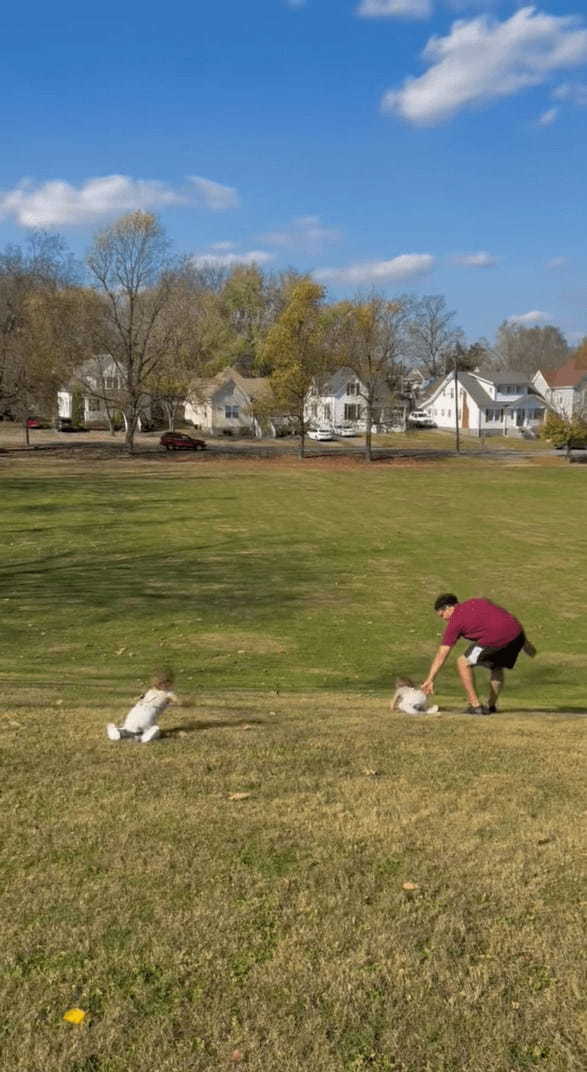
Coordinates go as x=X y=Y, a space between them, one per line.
x=273 y=930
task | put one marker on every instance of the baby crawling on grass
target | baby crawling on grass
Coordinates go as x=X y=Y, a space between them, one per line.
x=410 y=700
x=141 y=721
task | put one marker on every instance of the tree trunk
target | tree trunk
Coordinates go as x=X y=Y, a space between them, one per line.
x=368 y=434
x=27 y=435
x=302 y=437
x=130 y=424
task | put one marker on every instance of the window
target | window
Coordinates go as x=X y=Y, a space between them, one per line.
x=111 y=383
x=327 y=412
x=351 y=412
x=94 y=405
x=352 y=388
x=231 y=413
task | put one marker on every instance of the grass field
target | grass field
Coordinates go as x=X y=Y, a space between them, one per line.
x=273 y=931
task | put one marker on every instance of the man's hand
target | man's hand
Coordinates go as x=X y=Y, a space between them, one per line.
x=428 y=685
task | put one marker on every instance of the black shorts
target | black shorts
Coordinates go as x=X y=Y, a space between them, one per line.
x=496 y=658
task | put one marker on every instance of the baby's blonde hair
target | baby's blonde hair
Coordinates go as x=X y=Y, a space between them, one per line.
x=403 y=682
x=163 y=679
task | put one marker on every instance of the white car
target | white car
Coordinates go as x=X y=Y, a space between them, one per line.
x=321 y=433
x=422 y=419
x=345 y=431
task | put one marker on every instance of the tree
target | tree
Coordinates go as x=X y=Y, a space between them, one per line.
x=296 y=350
x=529 y=349
x=564 y=430
x=193 y=340
x=374 y=341
x=32 y=280
x=130 y=264
x=430 y=333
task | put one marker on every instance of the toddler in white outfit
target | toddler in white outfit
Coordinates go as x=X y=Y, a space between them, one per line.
x=141 y=721
x=410 y=700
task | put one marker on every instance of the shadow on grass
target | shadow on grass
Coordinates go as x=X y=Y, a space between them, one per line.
x=209 y=724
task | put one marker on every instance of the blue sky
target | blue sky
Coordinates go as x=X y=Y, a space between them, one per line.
x=423 y=146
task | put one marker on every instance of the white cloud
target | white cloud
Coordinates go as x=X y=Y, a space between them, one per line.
x=410 y=9
x=548 y=117
x=482 y=59
x=58 y=204
x=223 y=245
x=574 y=92
x=228 y=260
x=214 y=195
x=535 y=316
x=306 y=233
x=482 y=259
x=406 y=266
x=556 y=263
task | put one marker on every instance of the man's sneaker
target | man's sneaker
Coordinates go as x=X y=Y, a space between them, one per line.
x=481 y=710
x=113 y=732
x=492 y=709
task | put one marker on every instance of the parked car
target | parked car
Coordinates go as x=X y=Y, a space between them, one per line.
x=345 y=431
x=181 y=441
x=421 y=419
x=322 y=433
x=65 y=424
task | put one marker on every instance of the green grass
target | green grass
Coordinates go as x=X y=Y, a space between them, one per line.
x=287 y=595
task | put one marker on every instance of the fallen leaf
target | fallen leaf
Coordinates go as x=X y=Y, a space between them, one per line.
x=236 y=1055
x=410 y=886
x=238 y=796
x=248 y=726
x=120 y=651
x=371 y=772
x=74 y=1016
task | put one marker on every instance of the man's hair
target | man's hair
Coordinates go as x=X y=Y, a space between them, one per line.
x=445 y=600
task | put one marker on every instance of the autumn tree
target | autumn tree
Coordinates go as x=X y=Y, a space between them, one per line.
x=32 y=281
x=296 y=349
x=129 y=262
x=373 y=339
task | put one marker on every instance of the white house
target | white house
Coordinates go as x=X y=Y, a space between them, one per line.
x=565 y=388
x=97 y=393
x=230 y=404
x=340 y=399
x=500 y=403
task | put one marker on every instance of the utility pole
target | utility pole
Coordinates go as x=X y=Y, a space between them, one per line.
x=456 y=383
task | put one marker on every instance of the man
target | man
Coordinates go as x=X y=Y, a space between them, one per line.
x=498 y=638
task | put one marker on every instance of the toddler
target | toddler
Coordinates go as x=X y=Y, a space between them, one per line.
x=141 y=721
x=410 y=700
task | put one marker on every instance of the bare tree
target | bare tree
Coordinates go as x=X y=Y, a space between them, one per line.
x=129 y=262
x=529 y=349
x=431 y=334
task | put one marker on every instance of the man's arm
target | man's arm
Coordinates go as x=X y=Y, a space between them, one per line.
x=437 y=663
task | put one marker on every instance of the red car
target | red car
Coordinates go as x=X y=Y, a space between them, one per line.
x=181 y=441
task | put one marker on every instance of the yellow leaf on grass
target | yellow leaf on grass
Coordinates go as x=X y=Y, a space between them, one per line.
x=409 y=885
x=74 y=1016
x=238 y=796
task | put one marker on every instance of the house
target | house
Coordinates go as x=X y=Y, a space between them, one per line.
x=230 y=404
x=493 y=403
x=340 y=399
x=95 y=396
x=565 y=388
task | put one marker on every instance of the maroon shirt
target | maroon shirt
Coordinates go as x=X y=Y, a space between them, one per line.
x=482 y=621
